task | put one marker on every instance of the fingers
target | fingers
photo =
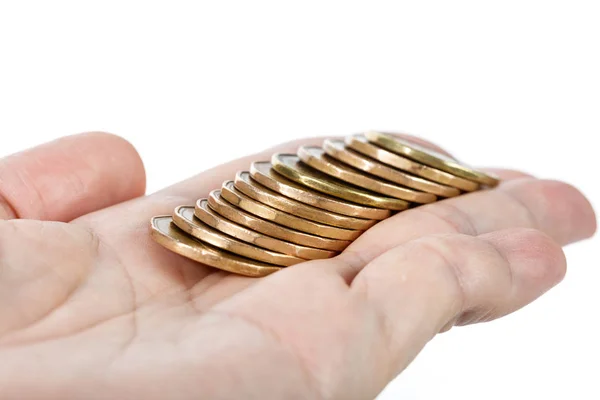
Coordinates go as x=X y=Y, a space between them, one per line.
x=421 y=287
x=555 y=208
x=70 y=177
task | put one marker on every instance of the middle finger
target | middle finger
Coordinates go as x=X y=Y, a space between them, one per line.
x=555 y=208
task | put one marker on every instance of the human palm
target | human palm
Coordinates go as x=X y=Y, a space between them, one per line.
x=92 y=308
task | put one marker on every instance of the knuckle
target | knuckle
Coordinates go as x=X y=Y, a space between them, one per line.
x=7 y=211
x=446 y=261
x=451 y=216
x=469 y=265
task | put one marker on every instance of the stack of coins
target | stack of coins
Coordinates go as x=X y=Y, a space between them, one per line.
x=312 y=204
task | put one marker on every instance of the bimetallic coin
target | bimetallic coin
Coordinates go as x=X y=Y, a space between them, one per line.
x=204 y=213
x=316 y=158
x=238 y=199
x=245 y=184
x=241 y=217
x=360 y=144
x=338 y=150
x=264 y=173
x=165 y=233
x=185 y=220
x=430 y=157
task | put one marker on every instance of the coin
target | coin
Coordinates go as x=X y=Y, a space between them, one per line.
x=237 y=215
x=185 y=220
x=211 y=218
x=238 y=199
x=316 y=158
x=430 y=157
x=264 y=173
x=165 y=233
x=360 y=144
x=338 y=150
x=251 y=188
x=292 y=168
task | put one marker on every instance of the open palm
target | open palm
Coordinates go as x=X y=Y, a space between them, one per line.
x=92 y=308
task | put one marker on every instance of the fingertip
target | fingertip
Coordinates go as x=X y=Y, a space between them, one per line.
x=539 y=261
x=575 y=205
x=548 y=260
x=69 y=177
x=117 y=149
x=585 y=209
x=554 y=207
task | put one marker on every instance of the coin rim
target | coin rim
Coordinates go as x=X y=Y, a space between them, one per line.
x=263 y=194
x=335 y=189
x=269 y=228
x=209 y=256
x=339 y=170
x=400 y=162
x=204 y=232
x=234 y=196
x=314 y=197
x=426 y=157
x=260 y=239
x=371 y=166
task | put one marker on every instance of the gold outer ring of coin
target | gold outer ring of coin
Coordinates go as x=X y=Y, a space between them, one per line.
x=165 y=233
x=185 y=220
x=319 y=160
x=360 y=144
x=430 y=157
x=292 y=168
x=338 y=150
x=204 y=213
x=232 y=195
x=239 y=216
x=245 y=184
x=265 y=174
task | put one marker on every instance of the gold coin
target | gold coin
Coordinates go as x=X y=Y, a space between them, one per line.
x=165 y=233
x=430 y=157
x=245 y=184
x=204 y=213
x=238 y=199
x=241 y=217
x=360 y=144
x=264 y=173
x=317 y=159
x=338 y=150
x=292 y=168
x=185 y=220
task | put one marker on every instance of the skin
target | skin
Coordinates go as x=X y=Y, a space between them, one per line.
x=91 y=307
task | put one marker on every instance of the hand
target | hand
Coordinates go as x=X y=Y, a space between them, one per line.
x=91 y=307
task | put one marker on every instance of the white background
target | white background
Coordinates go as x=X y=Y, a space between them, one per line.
x=193 y=84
